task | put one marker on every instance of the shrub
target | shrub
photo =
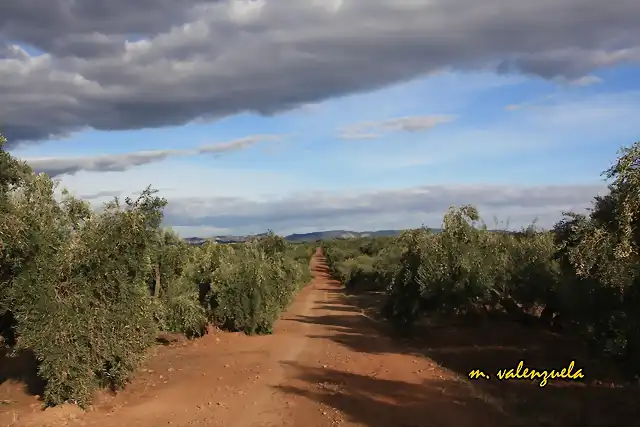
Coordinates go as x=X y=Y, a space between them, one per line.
x=249 y=289
x=175 y=287
x=88 y=292
x=79 y=297
x=583 y=276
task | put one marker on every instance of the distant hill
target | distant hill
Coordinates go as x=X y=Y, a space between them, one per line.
x=195 y=240
x=220 y=239
x=312 y=237
x=339 y=234
x=303 y=237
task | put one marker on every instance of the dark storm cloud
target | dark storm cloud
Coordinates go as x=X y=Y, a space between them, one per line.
x=190 y=59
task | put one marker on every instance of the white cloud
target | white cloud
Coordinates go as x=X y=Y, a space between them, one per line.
x=177 y=178
x=56 y=166
x=602 y=114
x=354 y=134
x=411 y=124
x=585 y=81
x=396 y=208
x=544 y=125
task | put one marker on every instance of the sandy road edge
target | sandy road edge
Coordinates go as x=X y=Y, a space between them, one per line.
x=266 y=407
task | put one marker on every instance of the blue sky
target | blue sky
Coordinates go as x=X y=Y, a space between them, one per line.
x=390 y=154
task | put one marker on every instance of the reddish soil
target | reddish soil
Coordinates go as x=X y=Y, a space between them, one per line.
x=328 y=363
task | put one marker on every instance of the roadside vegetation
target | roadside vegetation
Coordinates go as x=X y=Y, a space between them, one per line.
x=581 y=278
x=88 y=292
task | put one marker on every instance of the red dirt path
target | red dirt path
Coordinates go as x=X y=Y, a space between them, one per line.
x=325 y=365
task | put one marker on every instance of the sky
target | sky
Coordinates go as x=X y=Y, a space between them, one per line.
x=312 y=115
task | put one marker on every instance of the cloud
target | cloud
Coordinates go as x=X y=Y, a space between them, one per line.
x=152 y=63
x=398 y=208
x=56 y=166
x=585 y=81
x=110 y=194
x=415 y=124
x=598 y=113
x=105 y=194
x=235 y=145
x=542 y=101
x=373 y=130
x=355 y=134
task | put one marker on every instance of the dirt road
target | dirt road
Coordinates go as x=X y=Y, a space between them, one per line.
x=325 y=365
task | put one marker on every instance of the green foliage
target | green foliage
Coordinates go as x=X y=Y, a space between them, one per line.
x=88 y=292
x=270 y=244
x=13 y=242
x=362 y=263
x=583 y=276
x=248 y=287
x=600 y=253
x=79 y=296
x=178 y=308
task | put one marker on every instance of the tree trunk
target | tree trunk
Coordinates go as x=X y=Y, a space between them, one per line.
x=156 y=291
